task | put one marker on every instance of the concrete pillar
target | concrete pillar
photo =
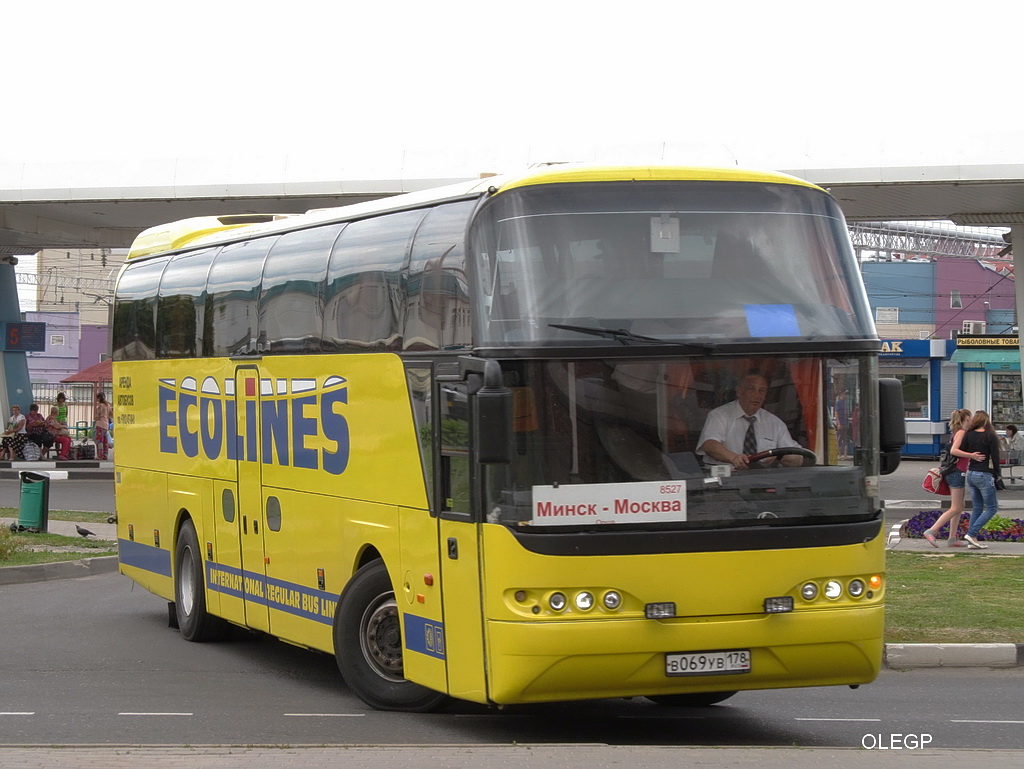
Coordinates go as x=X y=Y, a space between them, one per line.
x=15 y=386
x=1017 y=244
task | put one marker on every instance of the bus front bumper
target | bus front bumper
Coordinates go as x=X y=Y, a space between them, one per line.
x=591 y=659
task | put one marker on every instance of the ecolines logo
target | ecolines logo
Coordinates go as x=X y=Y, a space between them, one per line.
x=300 y=426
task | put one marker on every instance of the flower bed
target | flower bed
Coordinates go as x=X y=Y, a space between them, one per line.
x=998 y=529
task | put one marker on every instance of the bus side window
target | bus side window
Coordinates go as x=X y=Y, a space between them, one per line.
x=233 y=291
x=420 y=380
x=454 y=440
x=291 y=311
x=364 y=294
x=134 y=332
x=179 y=312
x=437 y=298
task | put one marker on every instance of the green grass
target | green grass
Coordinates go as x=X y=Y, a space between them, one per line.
x=61 y=515
x=954 y=598
x=15 y=549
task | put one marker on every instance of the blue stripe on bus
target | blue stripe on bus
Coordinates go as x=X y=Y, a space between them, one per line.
x=278 y=594
x=290 y=597
x=145 y=557
x=425 y=636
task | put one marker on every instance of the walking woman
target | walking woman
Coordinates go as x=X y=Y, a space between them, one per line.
x=981 y=445
x=957 y=481
x=102 y=414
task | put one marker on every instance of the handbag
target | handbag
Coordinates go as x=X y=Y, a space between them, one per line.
x=934 y=483
x=947 y=462
x=1000 y=486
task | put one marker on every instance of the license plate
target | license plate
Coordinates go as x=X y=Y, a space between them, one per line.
x=715 y=663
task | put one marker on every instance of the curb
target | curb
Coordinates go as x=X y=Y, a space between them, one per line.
x=83 y=474
x=43 y=572
x=907 y=656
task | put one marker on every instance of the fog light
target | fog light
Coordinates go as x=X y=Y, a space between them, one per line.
x=584 y=601
x=809 y=591
x=662 y=610
x=556 y=601
x=779 y=604
x=612 y=600
x=856 y=588
x=833 y=589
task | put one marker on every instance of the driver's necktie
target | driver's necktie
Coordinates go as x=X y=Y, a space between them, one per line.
x=750 y=439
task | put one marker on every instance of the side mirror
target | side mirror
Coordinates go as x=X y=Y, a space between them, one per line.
x=492 y=418
x=892 y=429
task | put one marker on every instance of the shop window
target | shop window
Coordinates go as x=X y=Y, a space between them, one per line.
x=915 y=395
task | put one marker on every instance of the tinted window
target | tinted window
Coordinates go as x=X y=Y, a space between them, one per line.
x=364 y=298
x=291 y=304
x=179 y=313
x=233 y=292
x=134 y=332
x=437 y=296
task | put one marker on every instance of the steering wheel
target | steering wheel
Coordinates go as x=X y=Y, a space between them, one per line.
x=810 y=458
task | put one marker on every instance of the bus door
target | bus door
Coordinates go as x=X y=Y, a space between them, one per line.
x=249 y=516
x=459 y=543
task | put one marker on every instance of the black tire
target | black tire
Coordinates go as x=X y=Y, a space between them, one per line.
x=368 y=645
x=696 y=700
x=194 y=622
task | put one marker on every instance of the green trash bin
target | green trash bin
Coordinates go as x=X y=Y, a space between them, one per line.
x=34 y=510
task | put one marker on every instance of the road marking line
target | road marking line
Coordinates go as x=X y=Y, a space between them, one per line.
x=326 y=715
x=873 y=720
x=972 y=721
x=155 y=714
x=17 y=713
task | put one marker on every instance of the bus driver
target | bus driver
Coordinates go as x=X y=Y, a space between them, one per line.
x=741 y=427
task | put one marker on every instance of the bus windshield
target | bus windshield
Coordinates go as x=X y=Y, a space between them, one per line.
x=598 y=439
x=672 y=261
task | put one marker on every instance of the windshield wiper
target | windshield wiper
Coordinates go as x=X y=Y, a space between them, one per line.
x=628 y=337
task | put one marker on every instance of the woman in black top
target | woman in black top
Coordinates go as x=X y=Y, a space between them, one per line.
x=981 y=445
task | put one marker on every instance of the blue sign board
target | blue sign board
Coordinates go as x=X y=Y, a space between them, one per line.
x=24 y=337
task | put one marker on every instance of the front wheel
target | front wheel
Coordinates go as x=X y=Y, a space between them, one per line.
x=368 y=645
x=194 y=622
x=696 y=700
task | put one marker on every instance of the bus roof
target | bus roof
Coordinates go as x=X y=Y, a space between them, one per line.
x=209 y=230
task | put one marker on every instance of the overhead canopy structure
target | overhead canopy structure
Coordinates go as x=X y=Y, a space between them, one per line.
x=39 y=210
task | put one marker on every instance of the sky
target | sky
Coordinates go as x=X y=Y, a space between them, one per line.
x=750 y=83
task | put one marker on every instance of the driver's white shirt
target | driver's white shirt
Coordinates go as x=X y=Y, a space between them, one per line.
x=726 y=424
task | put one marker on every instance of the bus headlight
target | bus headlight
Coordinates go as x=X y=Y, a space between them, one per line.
x=809 y=591
x=584 y=601
x=833 y=589
x=856 y=588
x=612 y=600
x=557 y=602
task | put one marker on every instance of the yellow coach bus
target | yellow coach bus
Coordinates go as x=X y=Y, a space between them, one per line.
x=465 y=440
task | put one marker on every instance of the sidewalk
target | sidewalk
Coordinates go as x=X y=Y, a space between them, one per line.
x=77 y=470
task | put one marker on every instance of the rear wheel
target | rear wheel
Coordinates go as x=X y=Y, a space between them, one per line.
x=696 y=700
x=368 y=645
x=194 y=622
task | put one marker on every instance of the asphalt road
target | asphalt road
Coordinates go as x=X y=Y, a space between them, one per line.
x=92 y=661
x=89 y=495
